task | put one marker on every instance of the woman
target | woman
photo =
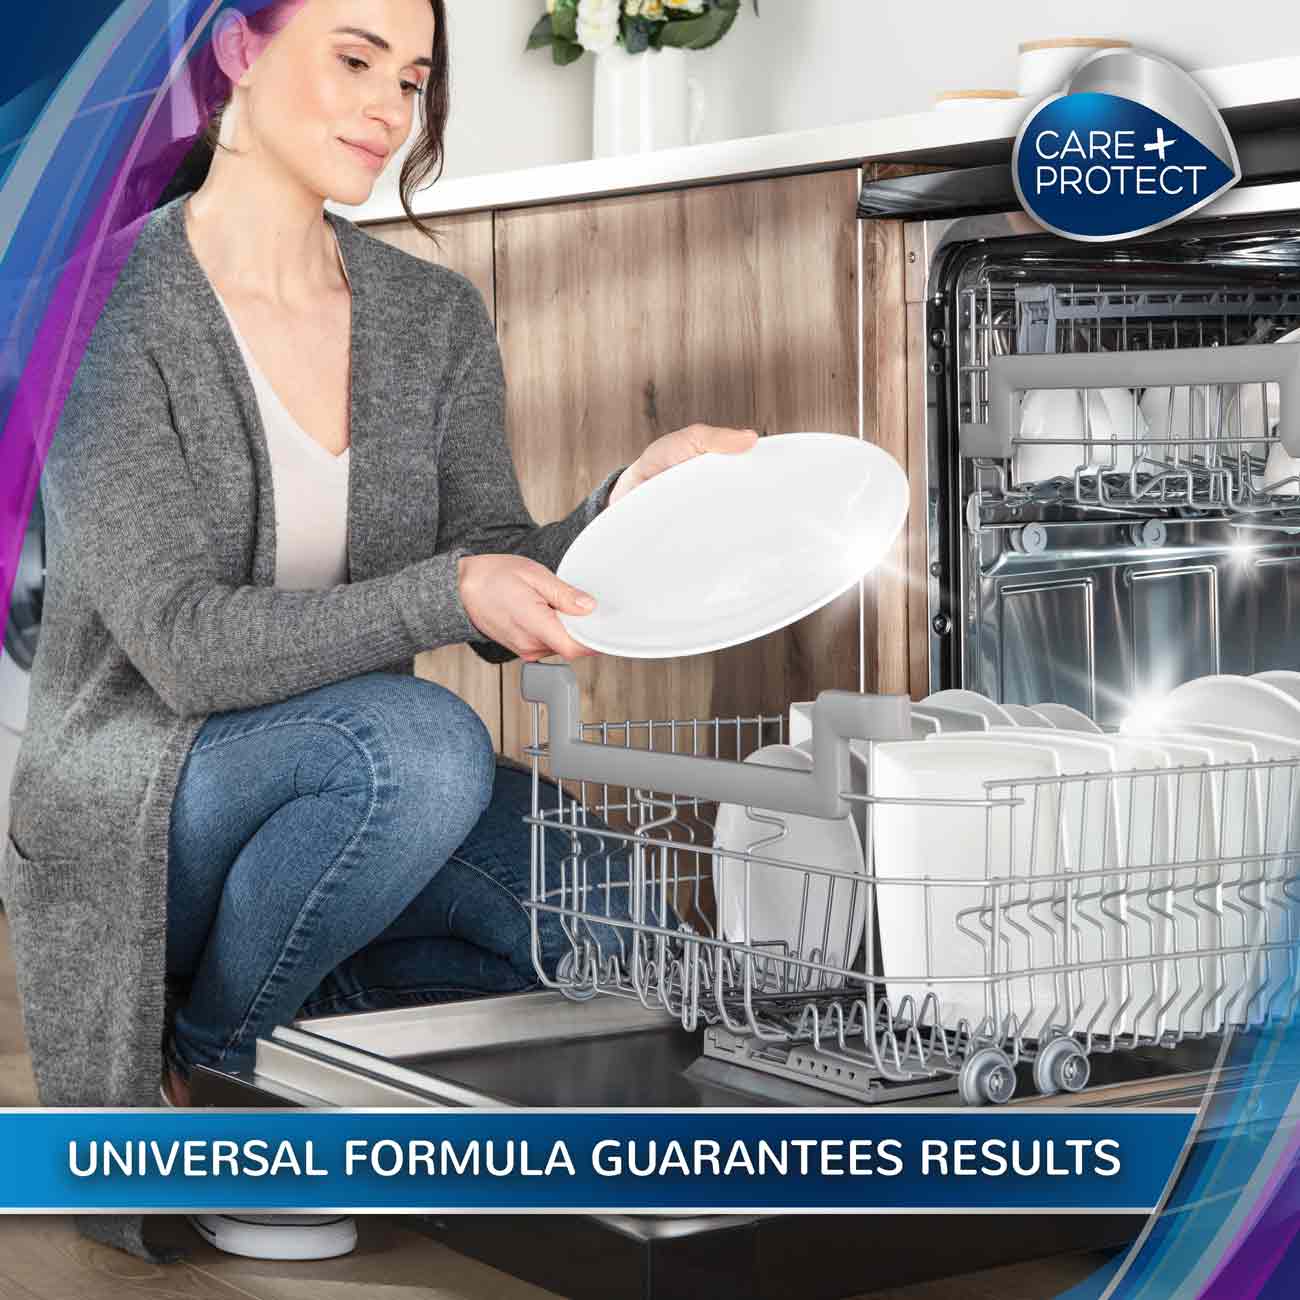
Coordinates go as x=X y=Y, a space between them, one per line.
x=280 y=474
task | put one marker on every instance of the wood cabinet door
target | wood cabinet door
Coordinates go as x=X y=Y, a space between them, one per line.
x=622 y=319
x=465 y=245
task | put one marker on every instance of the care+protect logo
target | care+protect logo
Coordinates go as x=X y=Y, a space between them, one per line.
x=1131 y=144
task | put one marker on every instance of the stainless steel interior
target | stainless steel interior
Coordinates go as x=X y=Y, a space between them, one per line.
x=1098 y=589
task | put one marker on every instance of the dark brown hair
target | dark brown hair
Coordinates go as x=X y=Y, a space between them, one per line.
x=212 y=92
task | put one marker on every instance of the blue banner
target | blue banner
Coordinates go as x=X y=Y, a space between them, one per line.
x=712 y=1161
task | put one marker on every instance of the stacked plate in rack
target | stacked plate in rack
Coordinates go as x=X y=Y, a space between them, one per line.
x=1033 y=875
x=1034 y=872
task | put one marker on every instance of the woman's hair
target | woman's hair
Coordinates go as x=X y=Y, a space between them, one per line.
x=212 y=92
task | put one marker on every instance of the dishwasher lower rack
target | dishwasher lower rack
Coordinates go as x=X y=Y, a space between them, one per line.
x=1103 y=913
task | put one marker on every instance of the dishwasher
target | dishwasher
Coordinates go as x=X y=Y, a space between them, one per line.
x=1139 y=563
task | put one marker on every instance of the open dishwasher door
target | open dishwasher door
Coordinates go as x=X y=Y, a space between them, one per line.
x=542 y=1050
x=685 y=1015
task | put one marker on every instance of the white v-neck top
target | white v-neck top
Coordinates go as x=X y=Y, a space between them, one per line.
x=310 y=486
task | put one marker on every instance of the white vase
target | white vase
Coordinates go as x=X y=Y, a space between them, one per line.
x=643 y=102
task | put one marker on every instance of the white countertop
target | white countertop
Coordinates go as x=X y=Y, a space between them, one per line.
x=1242 y=85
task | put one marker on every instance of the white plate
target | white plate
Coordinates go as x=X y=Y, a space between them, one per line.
x=1209 y=903
x=1098 y=435
x=859 y=767
x=1229 y=701
x=1023 y=716
x=800 y=722
x=1055 y=414
x=1186 y=411
x=777 y=911
x=1090 y=822
x=725 y=548
x=969 y=702
x=1145 y=808
x=1248 y=415
x=929 y=719
x=1067 y=718
x=1283 y=679
x=1194 y=808
x=801 y=730
x=1281 y=476
x=1127 y=430
x=930 y=934
x=1271 y=915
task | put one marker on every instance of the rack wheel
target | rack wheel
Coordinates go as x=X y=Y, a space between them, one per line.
x=564 y=972
x=1061 y=1067
x=987 y=1078
x=1150 y=532
x=1032 y=539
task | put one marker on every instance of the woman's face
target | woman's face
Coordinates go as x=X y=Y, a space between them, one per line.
x=332 y=93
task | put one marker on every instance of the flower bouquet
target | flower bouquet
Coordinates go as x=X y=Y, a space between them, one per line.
x=572 y=27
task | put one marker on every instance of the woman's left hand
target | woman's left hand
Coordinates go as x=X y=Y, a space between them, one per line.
x=674 y=448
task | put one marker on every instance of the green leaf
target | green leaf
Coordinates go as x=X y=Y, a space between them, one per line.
x=541 y=34
x=564 y=52
x=700 y=32
x=564 y=22
x=636 y=35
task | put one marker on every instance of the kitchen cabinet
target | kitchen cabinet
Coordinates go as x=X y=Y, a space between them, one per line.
x=464 y=245
x=893 y=663
x=761 y=304
x=623 y=319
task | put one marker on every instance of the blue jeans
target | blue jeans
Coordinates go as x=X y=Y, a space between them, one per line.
x=353 y=848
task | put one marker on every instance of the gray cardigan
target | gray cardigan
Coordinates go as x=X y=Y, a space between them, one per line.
x=160 y=608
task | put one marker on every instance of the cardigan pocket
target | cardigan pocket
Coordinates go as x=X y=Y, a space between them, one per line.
x=37 y=880
x=62 y=922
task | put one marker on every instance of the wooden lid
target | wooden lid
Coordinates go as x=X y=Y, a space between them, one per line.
x=977 y=94
x=1075 y=42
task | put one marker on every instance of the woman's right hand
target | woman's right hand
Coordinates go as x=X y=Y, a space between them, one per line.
x=513 y=601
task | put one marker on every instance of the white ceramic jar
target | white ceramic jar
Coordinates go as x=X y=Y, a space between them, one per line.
x=1045 y=66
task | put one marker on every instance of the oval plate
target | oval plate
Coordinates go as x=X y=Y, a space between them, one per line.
x=726 y=548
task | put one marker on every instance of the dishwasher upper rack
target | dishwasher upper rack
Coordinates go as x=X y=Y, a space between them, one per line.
x=1215 y=451
x=1077 y=954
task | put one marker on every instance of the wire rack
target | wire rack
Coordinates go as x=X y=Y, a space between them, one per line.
x=1105 y=431
x=1070 y=916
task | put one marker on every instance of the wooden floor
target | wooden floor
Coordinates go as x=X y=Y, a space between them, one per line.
x=42 y=1258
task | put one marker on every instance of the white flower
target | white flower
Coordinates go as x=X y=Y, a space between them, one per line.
x=598 y=24
x=691 y=6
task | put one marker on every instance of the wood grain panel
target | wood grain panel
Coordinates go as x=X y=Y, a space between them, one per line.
x=884 y=421
x=918 y=613
x=623 y=319
x=896 y=629
x=464 y=245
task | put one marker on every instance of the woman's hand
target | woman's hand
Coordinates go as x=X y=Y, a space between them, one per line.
x=673 y=448
x=513 y=600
